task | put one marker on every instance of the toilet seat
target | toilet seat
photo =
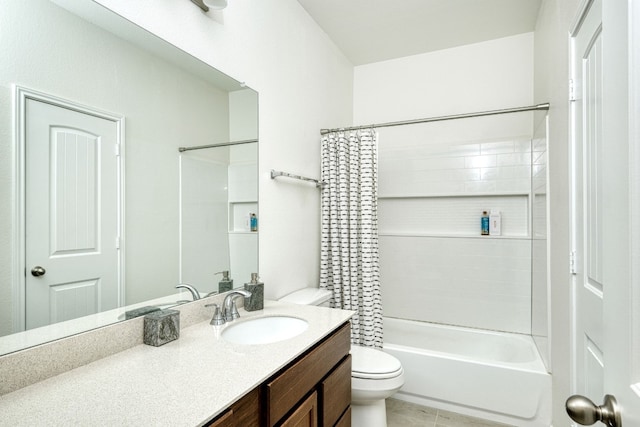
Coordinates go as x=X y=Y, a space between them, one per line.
x=372 y=364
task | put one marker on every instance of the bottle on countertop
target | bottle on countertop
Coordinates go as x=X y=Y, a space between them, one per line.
x=226 y=284
x=256 y=300
x=484 y=224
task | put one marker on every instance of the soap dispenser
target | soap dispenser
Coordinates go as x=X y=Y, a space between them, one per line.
x=226 y=284
x=256 y=300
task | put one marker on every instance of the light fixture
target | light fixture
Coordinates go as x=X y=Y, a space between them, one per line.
x=210 y=4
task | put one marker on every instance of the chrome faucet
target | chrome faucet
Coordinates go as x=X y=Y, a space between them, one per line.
x=229 y=305
x=194 y=292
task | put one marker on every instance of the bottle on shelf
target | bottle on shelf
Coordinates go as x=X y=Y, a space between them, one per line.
x=495 y=223
x=253 y=220
x=484 y=224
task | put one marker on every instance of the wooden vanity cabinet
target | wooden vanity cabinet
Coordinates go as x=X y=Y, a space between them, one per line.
x=314 y=390
x=245 y=412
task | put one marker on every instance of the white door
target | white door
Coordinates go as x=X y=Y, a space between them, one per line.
x=604 y=361
x=71 y=224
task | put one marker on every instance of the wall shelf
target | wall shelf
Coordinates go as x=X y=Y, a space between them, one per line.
x=453 y=195
x=239 y=215
x=453 y=236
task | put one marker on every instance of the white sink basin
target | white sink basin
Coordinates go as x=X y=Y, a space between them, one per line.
x=264 y=330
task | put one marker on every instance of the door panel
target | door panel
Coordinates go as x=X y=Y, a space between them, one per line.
x=604 y=220
x=71 y=300
x=74 y=180
x=72 y=214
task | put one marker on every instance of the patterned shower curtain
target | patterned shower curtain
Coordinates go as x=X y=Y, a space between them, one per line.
x=349 y=241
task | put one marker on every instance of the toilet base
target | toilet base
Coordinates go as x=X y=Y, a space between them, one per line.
x=371 y=414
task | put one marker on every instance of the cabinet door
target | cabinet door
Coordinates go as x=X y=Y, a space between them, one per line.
x=335 y=393
x=345 y=419
x=304 y=375
x=305 y=415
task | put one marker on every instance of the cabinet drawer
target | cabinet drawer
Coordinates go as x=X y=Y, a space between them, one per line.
x=335 y=392
x=244 y=413
x=224 y=420
x=283 y=392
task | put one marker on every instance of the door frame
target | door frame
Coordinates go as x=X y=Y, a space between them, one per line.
x=21 y=95
x=574 y=209
x=634 y=182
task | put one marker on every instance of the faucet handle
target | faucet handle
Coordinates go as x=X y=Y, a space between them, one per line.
x=217 y=318
x=232 y=312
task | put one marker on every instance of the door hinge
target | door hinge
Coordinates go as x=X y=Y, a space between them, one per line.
x=572 y=91
x=572 y=262
x=118 y=242
x=117 y=150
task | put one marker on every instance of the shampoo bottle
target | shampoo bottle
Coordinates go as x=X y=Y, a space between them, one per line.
x=256 y=300
x=484 y=224
x=226 y=284
x=495 y=222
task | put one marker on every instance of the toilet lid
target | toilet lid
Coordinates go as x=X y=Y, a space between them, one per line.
x=370 y=363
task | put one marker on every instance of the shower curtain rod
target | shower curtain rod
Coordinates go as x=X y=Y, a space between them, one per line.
x=221 y=144
x=441 y=118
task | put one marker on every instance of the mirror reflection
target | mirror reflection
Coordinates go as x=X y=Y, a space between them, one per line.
x=100 y=212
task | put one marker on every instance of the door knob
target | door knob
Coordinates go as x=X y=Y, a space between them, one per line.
x=38 y=271
x=585 y=412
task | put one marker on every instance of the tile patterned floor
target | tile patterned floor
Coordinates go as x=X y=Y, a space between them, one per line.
x=405 y=414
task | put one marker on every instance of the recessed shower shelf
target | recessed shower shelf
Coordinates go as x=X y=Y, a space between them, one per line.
x=239 y=212
x=458 y=236
x=453 y=195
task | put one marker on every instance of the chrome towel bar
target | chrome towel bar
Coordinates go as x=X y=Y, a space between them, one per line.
x=275 y=174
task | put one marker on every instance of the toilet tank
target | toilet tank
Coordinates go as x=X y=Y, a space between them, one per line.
x=308 y=296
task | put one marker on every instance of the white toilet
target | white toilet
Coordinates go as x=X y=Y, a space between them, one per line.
x=375 y=375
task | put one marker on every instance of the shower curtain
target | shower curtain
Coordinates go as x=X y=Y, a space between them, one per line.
x=349 y=240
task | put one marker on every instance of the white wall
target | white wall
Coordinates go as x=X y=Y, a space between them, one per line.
x=304 y=84
x=551 y=85
x=484 y=76
x=435 y=180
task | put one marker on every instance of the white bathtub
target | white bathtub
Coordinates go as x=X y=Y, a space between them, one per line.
x=492 y=375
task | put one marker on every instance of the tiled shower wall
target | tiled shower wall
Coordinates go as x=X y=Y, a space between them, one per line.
x=434 y=182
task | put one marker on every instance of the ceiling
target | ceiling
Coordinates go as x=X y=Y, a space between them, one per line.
x=375 y=30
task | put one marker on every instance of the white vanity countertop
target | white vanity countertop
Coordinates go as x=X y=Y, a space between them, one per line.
x=182 y=383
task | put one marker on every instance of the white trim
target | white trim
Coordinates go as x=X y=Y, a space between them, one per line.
x=581 y=14
x=20 y=96
x=583 y=9
x=571 y=108
x=634 y=186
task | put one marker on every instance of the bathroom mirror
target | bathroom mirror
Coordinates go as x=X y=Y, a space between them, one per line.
x=177 y=216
